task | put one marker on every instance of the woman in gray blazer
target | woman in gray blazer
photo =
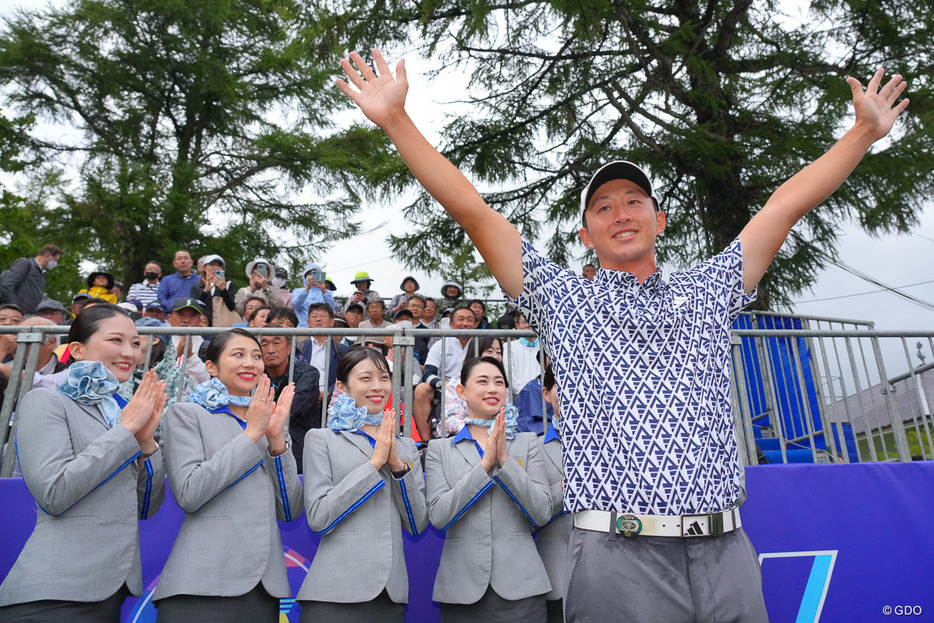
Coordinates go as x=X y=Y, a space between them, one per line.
x=487 y=490
x=363 y=485
x=230 y=470
x=90 y=461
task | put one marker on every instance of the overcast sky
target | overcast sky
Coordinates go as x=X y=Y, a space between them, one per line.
x=900 y=261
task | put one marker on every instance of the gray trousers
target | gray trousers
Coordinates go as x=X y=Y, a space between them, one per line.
x=652 y=579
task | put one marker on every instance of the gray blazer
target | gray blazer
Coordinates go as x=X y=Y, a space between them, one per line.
x=90 y=493
x=552 y=539
x=464 y=501
x=232 y=491
x=360 y=513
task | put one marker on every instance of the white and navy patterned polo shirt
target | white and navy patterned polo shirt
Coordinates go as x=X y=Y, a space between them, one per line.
x=643 y=373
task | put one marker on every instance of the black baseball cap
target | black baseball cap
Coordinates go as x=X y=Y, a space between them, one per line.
x=618 y=170
x=189 y=302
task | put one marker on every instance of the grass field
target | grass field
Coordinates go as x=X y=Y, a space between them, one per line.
x=884 y=441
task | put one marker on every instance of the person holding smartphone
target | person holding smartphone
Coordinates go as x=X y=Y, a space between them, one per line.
x=314 y=289
x=259 y=272
x=216 y=293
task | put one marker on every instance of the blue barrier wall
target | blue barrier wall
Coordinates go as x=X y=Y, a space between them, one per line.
x=836 y=542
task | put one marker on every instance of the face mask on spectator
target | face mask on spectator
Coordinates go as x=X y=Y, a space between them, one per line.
x=280 y=282
x=151 y=276
x=52 y=264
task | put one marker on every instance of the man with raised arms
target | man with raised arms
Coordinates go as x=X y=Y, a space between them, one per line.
x=652 y=472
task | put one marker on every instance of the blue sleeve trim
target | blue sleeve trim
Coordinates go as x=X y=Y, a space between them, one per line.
x=513 y=498
x=144 y=513
x=408 y=509
x=117 y=471
x=285 y=496
x=485 y=488
x=247 y=473
x=355 y=506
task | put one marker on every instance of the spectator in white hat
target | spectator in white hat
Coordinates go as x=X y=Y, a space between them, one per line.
x=216 y=293
x=260 y=273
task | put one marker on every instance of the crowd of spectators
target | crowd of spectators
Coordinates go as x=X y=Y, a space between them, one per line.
x=304 y=373
x=204 y=294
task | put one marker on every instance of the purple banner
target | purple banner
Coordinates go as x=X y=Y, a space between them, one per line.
x=836 y=543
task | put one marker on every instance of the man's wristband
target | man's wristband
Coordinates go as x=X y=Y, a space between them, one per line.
x=146 y=455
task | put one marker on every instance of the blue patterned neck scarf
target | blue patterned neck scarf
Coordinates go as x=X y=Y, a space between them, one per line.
x=512 y=421
x=91 y=383
x=344 y=414
x=213 y=395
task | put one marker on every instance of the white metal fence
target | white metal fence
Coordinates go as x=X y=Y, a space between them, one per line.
x=811 y=394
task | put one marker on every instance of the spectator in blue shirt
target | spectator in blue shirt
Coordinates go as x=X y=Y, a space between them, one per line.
x=311 y=292
x=178 y=285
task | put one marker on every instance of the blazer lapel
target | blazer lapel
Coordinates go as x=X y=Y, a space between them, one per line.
x=555 y=460
x=468 y=450
x=96 y=413
x=362 y=443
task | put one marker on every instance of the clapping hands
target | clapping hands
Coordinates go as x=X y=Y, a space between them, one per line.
x=495 y=452
x=386 y=451
x=143 y=412
x=261 y=408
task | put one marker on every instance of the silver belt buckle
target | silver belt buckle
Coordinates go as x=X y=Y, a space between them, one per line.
x=628 y=525
x=706 y=524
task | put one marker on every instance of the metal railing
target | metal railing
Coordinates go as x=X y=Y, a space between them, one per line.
x=823 y=393
x=31 y=338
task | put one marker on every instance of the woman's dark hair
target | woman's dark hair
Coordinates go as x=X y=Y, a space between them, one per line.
x=219 y=342
x=549 y=380
x=93 y=301
x=355 y=355
x=470 y=364
x=477 y=345
x=157 y=352
x=89 y=319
